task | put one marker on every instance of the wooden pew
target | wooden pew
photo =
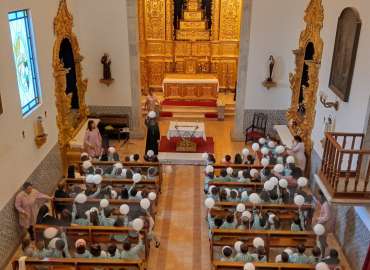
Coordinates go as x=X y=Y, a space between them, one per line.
x=112 y=203
x=143 y=165
x=219 y=265
x=93 y=234
x=151 y=185
x=272 y=238
x=254 y=187
x=81 y=264
x=284 y=211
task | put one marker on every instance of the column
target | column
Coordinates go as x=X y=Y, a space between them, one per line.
x=237 y=133
x=136 y=126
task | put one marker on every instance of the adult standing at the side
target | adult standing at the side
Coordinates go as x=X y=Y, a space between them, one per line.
x=324 y=219
x=298 y=151
x=27 y=203
x=153 y=134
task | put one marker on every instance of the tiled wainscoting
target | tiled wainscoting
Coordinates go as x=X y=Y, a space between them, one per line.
x=44 y=178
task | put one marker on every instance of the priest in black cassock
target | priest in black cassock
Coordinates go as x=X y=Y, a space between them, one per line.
x=153 y=134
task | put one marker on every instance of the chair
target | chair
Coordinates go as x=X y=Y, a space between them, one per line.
x=257 y=129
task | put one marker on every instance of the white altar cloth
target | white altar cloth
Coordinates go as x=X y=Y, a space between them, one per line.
x=186 y=129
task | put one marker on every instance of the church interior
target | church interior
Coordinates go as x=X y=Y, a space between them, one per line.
x=185 y=134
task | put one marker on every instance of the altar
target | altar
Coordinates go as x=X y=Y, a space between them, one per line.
x=190 y=86
x=185 y=143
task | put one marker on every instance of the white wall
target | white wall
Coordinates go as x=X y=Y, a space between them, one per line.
x=352 y=116
x=275 y=29
x=19 y=157
x=101 y=27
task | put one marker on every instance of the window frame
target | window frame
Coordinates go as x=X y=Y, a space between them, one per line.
x=25 y=15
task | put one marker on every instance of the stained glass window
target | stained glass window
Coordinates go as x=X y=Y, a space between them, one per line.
x=24 y=59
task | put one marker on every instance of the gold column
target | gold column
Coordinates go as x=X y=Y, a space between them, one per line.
x=215 y=19
x=230 y=14
x=169 y=19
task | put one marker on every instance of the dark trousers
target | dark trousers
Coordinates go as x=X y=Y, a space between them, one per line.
x=31 y=233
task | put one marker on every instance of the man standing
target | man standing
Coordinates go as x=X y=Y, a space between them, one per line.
x=153 y=134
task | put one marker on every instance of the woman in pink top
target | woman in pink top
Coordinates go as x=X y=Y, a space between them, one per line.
x=93 y=140
x=27 y=203
x=298 y=151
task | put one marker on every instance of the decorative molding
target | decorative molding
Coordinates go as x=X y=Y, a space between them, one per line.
x=302 y=123
x=44 y=178
x=63 y=24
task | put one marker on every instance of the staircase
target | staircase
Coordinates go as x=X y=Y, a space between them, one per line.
x=193 y=26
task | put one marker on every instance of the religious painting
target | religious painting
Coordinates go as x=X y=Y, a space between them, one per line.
x=345 y=51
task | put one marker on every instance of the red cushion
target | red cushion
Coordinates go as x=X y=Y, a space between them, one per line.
x=210 y=115
x=254 y=135
x=166 y=114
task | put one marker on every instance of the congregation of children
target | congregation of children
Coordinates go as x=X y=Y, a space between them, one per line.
x=263 y=190
x=125 y=208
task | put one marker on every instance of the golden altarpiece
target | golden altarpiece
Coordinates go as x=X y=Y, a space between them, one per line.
x=195 y=47
x=304 y=82
x=69 y=121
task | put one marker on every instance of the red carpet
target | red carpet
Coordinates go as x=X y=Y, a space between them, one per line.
x=166 y=114
x=202 y=146
x=199 y=103
x=210 y=115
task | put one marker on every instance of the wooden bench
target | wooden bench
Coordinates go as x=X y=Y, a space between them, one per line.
x=151 y=185
x=284 y=211
x=80 y=264
x=143 y=165
x=272 y=238
x=253 y=187
x=112 y=203
x=93 y=234
x=219 y=265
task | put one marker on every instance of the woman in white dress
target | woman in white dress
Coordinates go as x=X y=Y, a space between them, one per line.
x=298 y=152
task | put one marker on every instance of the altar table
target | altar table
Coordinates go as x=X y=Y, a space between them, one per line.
x=186 y=129
x=190 y=86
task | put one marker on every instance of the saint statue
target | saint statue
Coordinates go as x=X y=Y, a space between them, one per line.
x=105 y=60
x=271 y=67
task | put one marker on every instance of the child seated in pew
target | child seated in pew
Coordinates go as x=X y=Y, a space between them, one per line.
x=233 y=196
x=244 y=177
x=238 y=159
x=120 y=222
x=260 y=255
x=208 y=178
x=124 y=195
x=316 y=256
x=244 y=255
x=131 y=252
x=299 y=257
x=226 y=160
x=273 y=222
x=213 y=192
x=333 y=258
x=230 y=222
x=106 y=218
x=90 y=217
x=227 y=253
x=244 y=223
x=81 y=250
x=296 y=224
x=152 y=173
x=249 y=160
x=97 y=252
x=259 y=222
x=113 y=252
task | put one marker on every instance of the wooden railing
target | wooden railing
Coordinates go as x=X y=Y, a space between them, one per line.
x=345 y=166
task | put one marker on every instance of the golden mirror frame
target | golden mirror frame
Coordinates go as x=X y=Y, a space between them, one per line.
x=298 y=124
x=63 y=24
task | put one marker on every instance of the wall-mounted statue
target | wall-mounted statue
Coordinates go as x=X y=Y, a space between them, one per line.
x=269 y=82
x=107 y=74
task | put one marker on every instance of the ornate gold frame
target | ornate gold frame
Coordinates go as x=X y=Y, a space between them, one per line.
x=298 y=124
x=63 y=24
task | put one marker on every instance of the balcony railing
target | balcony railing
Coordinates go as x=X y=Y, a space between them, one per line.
x=345 y=168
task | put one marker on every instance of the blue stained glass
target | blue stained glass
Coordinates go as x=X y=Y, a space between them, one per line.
x=22 y=43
